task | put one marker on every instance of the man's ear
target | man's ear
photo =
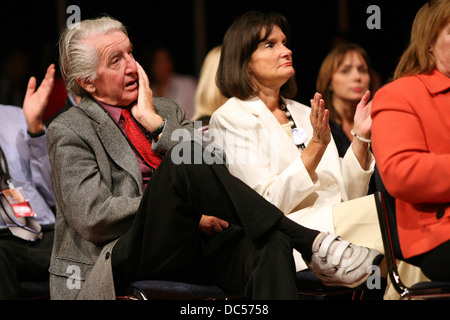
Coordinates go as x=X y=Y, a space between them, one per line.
x=86 y=85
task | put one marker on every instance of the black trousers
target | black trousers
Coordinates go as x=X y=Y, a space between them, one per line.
x=435 y=264
x=164 y=242
x=22 y=260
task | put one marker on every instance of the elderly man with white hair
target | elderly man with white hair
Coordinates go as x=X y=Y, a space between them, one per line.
x=126 y=211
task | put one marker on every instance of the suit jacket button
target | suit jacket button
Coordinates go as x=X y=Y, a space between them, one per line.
x=440 y=213
x=107 y=255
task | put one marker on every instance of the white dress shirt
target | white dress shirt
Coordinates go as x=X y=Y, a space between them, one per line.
x=28 y=163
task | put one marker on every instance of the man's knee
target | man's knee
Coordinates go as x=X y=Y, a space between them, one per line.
x=192 y=152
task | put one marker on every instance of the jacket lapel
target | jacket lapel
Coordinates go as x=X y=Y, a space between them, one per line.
x=113 y=139
x=279 y=141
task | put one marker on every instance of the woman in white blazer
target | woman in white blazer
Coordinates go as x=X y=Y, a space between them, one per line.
x=284 y=149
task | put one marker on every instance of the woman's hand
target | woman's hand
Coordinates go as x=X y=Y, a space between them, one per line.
x=313 y=153
x=143 y=110
x=319 y=118
x=362 y=125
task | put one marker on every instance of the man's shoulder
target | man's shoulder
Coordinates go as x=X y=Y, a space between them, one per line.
x=166 y=106
x=73 y=119
x=70 y=115
x=164 y=102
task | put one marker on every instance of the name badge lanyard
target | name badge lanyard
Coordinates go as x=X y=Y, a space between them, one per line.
x=299 y=134
x=25 y=226
x=6 y=180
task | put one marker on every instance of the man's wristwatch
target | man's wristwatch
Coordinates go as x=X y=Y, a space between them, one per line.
x=157 y=131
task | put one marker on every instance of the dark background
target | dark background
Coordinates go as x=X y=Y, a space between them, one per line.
x=189 y=28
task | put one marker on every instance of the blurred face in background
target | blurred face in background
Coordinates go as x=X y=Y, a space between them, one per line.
x=351 y=79
x=162 y=66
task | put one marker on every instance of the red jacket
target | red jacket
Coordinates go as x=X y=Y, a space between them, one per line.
x=411 y=144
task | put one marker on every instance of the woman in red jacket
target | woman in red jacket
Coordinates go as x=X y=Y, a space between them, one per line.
x=411 y=141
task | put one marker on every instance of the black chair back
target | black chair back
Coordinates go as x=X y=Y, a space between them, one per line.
x=389 y=204
x=388 y=243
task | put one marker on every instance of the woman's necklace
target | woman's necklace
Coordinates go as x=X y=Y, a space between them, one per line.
x=299 y=134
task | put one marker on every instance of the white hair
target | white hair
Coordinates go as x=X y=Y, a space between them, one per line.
x=78 y=57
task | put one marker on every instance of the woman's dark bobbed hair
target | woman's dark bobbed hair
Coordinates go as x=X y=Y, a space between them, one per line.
x=240 y=41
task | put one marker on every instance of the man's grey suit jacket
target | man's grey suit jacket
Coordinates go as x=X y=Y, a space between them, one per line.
x=98 y=188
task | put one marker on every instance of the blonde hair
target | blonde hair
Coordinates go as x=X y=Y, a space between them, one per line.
x=208 y=97
x=428 y=23
x=79 y=58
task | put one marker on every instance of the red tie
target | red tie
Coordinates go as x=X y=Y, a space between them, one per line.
x=139 y=140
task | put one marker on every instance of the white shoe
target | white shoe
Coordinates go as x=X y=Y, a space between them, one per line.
x=339 y=263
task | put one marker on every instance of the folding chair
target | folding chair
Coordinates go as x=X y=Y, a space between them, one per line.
x=172 y=290
x=309 y=287
x=421 y=290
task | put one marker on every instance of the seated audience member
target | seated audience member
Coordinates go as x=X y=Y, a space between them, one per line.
x=411 y=141
x=169 y=84
x=25 y=169
x=125 y=213
x=344 y=77
x=283 y=149
x=208 y=97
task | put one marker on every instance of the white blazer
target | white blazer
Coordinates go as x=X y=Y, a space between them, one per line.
x=259 y=152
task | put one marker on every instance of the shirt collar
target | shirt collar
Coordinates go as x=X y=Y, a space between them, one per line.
x=435 y=81
x=114 y=111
